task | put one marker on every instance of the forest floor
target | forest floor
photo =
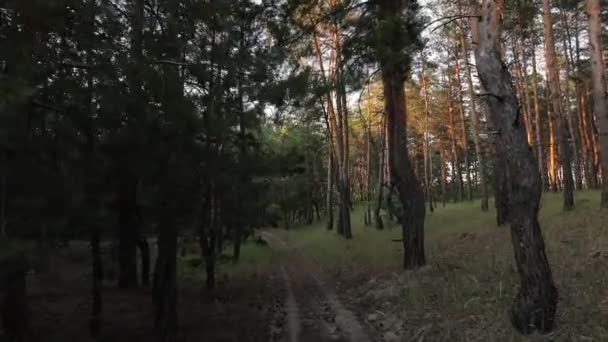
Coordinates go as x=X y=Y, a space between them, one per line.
x=310 y=285
x=465 y=291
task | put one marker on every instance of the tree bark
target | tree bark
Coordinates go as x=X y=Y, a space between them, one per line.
x=561 y=127
x=475 y=122
x=428 y=168
x=165 y=280
x=456 y=172
x=600 y=100
x=535 y=305
x=3 y=193
x=402 y=174
x=463 y=127
x=381 y=171
x=128 y=232
x=144 y=250
x=330 y=186
x=538 y=122
x=570 y=115
x=444 y=175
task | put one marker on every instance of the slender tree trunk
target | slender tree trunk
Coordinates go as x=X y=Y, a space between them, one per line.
x=128 y=232
x=165 y=282
x=369 y=195
x=475 y=123
x=561 y=128
x=330 y=188
x=535 y=305
x=165 y=279
x=444 y=176
x=381 y=172
x=92 y=205
x=464 y=131
x=3 y=194
x=600 y=100
x=456 y=172
x=538 y=121
x=144 y=250
x=589 y=136
x=570 y=115
x=428 y=178
x=236 y=244
x=523 y=72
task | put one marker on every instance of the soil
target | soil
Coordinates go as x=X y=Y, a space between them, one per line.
x=293 y=301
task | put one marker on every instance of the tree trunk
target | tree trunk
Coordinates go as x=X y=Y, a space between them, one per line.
x=369 y=197
x=144 y=250
x=444 y=175
x=165 y=280
x=456 y=172
x=128 y=232
x=97 y=304
x=330 y=186
x=535 y=305
x=381 y=171
x=428 y=168
x=538 y=122
x=570 y=115
x=92 y=206
x=127 y=192
x=463 y=127
x=236 y=244
x=3 y=192
x=600 y=100
x=561 y=127
x=165 y=277
x=402 y=174
x=475 y=124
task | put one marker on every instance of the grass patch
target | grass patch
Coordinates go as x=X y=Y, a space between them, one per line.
x=466 y=291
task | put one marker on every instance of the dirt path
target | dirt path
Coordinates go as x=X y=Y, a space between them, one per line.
x=314 y=311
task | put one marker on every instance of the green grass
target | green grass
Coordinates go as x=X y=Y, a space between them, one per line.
x=466 y=292
x=376 y=248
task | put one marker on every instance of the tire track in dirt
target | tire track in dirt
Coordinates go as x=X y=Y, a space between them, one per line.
x=291 y=307
x=314 y=311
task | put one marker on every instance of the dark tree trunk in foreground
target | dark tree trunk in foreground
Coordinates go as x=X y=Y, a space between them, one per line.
x=402 y=174
x=535 y=304
x=600 y=100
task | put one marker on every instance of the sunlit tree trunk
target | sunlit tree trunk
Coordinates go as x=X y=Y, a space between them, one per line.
x=556 y=102
x=540 y=155
x=600 y=100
